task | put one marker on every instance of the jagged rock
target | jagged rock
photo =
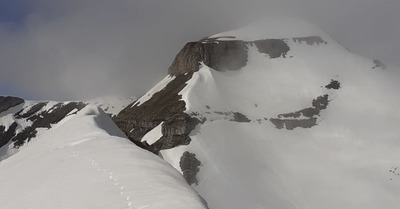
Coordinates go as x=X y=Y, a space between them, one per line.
x=291 y=124
x=8 y=102
x=42 y=119
x=239 y=117
x=164 y=106
x=291 y=120
x=45 y=119
x=223 y=55
x=333 y=85
x=31 y=111
x=220 y=56
x=6 y=135
x=55 y=114
x=273 y=47
x=321 y=102
x=190 y=167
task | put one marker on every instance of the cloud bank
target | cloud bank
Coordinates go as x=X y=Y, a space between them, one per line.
x=74 y=49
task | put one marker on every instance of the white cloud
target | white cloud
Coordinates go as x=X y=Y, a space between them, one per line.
x=78 y=49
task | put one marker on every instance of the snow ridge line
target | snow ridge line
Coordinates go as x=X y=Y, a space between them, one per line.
x=109 y=175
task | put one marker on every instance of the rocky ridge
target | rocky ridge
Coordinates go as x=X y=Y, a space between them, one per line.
x=166 y=106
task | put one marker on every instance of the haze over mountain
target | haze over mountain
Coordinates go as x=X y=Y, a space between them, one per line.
x=71 y=50
x=276 y=114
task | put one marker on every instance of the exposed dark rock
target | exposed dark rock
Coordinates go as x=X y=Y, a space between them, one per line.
x=24 y=136
x=310 y=40
x=55 y=114
x=333 y=85
x=164 y=106
x=291 y=124
x=321 y=102
x=239 y=117
x=290 y=115
x=223 y=55
x=175 y=133
x=7 y=135
x=8 y=102
x=273 y=47
x=43 y=120
x=291 y=120
x=31 y=111
x=378 y=64
x=190 y=167
x=307 y=112
x=220 y=56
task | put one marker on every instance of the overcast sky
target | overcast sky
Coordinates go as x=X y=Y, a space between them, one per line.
x=60 y=50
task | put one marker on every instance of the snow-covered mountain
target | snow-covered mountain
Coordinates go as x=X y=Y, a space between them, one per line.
x=22 y=120
x=85 y=161
x=275 y=115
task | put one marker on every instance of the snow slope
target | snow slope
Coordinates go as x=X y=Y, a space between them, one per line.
x=86 y=162
x=348 y=159
x=112 y=104
x=35 y=117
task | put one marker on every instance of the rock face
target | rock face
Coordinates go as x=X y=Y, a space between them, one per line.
x=8 y=102
x=223 y=55
x=164 y=106
x=292 y=120
x=167 y=105
x=190 y=167
x=20 y=120
x=26 y=119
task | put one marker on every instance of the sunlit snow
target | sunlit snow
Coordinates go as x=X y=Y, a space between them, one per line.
x=86 y=162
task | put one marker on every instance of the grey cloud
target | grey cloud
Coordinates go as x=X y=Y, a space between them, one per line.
x=78 y=49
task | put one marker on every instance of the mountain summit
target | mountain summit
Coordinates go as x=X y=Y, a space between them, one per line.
x=275 y=116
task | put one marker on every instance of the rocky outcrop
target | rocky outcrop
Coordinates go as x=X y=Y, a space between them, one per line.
x=334 y=84
x=309 y=115
x=223 y=55
x=164 y=106
x=37 y=117
x=219 y=55
x=189 y=165
x=274 y=48
x=31 y=111
x=167 y=106
x=8 y=102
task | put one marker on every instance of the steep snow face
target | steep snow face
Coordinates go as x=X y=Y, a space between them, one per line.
x=85 y=161
x=317 y=128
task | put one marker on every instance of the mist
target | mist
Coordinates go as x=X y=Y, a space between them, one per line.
x=63 y=50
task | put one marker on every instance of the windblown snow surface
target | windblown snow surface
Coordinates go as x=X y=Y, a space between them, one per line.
x=349 y=159
x=85 y=161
